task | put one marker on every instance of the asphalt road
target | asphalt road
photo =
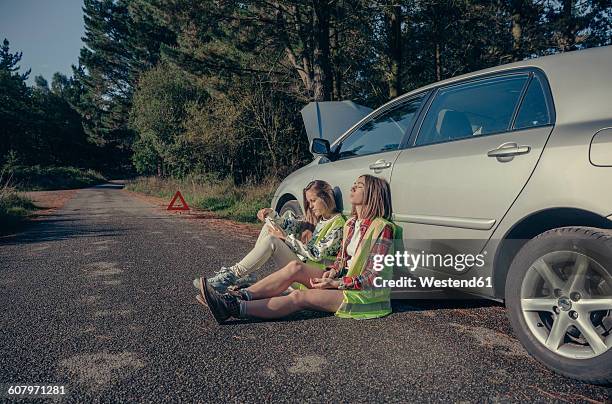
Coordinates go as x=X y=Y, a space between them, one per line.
x=98 y=298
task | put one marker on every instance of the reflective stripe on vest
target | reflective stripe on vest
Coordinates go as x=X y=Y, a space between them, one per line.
x=338 y=222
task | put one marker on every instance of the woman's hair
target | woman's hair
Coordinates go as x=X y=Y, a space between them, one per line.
x=376 y=198
x=324 y=191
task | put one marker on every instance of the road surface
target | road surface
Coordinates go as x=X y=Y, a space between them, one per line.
x=98 y=297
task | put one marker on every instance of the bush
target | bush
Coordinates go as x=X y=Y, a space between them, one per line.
x=14 y=208
x=37 y=178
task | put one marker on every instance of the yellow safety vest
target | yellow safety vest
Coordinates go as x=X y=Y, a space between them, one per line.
x=375 y=302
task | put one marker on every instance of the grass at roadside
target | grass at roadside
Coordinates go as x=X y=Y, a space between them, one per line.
x=227 y=200
x=37 y=178
x=14 y=209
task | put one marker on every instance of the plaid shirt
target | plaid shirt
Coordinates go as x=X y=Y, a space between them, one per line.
x=365 y=280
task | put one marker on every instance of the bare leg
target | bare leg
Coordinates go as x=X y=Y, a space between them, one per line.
x=328 y=300
x=277 y=282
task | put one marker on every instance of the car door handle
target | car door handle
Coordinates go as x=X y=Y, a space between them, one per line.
x=380 y=165
x=508 y=150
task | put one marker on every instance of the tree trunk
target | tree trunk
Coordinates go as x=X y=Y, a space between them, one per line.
x=517 y=29
x=395 y=51
x=322 y=67
x=334 y=50
x=568 y=34
x=438 y=63
x=301 y=62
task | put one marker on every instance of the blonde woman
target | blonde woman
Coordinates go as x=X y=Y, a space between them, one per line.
x=315 y=239
x=345 y=288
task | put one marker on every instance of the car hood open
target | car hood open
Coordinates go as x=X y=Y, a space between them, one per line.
x=330 y=119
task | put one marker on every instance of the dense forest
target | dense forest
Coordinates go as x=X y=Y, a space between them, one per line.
x=176 y=87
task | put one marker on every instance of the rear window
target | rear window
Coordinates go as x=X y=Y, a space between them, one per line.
x=474 y=108
x=534 y=108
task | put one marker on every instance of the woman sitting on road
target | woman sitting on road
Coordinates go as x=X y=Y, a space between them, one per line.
x=287 y=238
x=346 y=287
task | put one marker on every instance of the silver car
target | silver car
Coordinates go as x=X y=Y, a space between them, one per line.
x=513 y=162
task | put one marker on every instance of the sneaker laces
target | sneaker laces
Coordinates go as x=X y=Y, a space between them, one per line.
x=223 y=269
x=232 y=303
x=223 y=276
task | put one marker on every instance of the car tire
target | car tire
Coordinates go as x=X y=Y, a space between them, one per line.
x=293 y=206
x=553 y=335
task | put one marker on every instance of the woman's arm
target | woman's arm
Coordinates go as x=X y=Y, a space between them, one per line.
x=365 y=280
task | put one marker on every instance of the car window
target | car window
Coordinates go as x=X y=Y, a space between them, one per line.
x=534 y=109
x=384 y=132
x=471 y=109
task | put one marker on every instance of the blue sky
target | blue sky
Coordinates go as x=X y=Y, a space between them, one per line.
x=48 y=32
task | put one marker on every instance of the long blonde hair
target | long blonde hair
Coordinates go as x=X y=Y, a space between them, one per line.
x=376 y=198
x=324 y=191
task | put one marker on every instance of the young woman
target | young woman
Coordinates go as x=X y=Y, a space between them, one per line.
x=346 y=287
x=315 y=239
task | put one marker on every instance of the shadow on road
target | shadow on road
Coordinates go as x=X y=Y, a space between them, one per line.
x=399 y=306
x=55 y=229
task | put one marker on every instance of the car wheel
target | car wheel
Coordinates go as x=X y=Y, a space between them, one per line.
x=293 y=206
x=559 y=300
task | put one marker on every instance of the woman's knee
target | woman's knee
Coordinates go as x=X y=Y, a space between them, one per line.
x=294 y=267
x=298 y=297
x=275 y=242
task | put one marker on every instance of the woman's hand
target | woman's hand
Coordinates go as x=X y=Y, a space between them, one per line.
x=306 y=236
x=330 y=274
x=276 y=232
x=261 y=215
x=324 y=283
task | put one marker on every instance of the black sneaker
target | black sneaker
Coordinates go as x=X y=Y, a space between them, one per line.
x=222 y=306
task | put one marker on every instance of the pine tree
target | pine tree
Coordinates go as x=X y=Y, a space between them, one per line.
x=9 y=62
x=121 y=42
x=15 y=106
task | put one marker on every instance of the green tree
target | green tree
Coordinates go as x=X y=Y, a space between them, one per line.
x=158 y=115
x=15 y=131
x=40 y=125
x=9 y=62
x=60 y=138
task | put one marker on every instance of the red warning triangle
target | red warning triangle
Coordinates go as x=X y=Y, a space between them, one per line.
x=178 y=196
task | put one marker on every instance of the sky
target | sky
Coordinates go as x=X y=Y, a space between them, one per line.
x=48 y=32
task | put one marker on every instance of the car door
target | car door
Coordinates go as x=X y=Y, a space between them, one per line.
x=372 y=148
x=475 y=150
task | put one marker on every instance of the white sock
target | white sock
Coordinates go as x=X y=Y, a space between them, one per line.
x=238 y=270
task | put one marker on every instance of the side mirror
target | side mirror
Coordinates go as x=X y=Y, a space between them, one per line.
x=320 y=146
